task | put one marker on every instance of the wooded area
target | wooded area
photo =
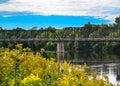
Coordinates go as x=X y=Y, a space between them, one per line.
x=87 y=31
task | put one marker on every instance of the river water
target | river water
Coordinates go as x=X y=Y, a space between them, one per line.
x=112 y=70
x=101 y=63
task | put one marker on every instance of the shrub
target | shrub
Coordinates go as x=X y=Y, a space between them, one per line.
x=21 y=67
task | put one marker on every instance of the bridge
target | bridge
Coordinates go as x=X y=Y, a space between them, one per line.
x=62 y=40
x=71 y=34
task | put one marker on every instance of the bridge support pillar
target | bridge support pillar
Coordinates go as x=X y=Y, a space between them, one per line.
x=60 y=47
x=60 y=51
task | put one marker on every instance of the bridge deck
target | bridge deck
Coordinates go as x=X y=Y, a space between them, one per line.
x=64 y=40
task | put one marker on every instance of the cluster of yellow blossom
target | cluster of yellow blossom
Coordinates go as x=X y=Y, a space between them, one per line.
x=31 y=79
x=21 y=67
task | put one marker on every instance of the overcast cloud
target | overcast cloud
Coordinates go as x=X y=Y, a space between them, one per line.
x=105 y=9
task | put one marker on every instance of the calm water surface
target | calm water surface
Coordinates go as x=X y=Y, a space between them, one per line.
x=112 y=70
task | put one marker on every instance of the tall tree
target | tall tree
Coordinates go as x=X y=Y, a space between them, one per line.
x=117 y=21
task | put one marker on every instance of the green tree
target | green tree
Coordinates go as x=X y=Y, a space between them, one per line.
x=117 y=21
x=34 y=28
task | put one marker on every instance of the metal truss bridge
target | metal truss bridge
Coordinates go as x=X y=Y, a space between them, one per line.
x=52 y=35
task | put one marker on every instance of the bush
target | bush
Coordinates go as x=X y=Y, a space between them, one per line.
x=21 y=67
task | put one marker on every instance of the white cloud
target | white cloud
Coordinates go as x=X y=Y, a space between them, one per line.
x=107 y=9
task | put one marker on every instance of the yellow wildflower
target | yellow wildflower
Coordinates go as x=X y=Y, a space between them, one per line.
x=42 y=50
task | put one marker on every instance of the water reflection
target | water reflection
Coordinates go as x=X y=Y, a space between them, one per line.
x=89 y=56
x=97 y=61
x=112 y=70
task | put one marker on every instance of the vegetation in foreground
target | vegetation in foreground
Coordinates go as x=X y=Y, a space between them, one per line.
x=21 y=67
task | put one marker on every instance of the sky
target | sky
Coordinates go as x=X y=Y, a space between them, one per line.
x=57 y=13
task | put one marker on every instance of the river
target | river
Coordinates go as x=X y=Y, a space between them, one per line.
x=112 y=70
x=101 y=63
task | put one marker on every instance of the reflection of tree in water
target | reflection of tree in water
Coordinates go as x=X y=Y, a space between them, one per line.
x=89 y=56
x=118 y=72
x=78 y=56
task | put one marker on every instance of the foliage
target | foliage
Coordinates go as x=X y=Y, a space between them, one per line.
x=89 y=30
x=21 y=67
x=117 y=20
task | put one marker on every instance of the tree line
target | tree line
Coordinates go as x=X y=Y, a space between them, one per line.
x=87 y=31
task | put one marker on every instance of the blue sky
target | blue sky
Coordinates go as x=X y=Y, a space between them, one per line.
x=56 y=13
